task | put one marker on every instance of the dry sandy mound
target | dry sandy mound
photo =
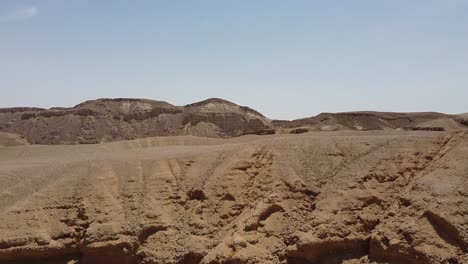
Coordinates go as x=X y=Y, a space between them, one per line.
x=330 y=197
x=447 y=124
x=9 y=139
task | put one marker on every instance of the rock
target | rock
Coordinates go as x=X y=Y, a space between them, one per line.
x=105 y=120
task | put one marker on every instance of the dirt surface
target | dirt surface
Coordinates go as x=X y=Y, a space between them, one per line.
x=383 y=196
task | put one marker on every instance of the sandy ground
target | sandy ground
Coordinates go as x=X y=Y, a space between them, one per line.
x=9 y=139
x=318 y=197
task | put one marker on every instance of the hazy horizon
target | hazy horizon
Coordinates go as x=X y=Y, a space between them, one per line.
x=286 y=60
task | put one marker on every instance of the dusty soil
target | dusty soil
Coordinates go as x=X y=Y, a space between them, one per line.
x=383 y=196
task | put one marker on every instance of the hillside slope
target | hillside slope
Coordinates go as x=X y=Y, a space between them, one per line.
x=117 y=119
x=8 y=139
x=342 y=197
x=368 y=120
x=105 y=120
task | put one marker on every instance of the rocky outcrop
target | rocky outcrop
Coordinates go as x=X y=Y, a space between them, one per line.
x=425 y=128
x=299 y=131
x=376 y=121
x=105 y=120
x=462 y=121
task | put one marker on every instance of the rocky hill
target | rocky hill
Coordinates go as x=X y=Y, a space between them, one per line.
x=117 y=119
x=105 y=120
x=368 y=120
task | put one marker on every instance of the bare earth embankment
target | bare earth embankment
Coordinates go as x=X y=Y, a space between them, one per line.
x=389 y=196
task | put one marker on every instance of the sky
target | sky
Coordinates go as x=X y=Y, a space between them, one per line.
x=286 y=59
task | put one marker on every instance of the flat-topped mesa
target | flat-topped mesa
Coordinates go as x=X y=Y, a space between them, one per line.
x=371 y=120
x=103 y=102
x=20 y=109
x=108 y=119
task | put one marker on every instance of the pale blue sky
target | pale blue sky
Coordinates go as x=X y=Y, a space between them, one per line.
x=287 y=59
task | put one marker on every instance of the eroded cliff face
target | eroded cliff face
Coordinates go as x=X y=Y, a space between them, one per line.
x=106 y=120
x=370 y=120
x=329 y=197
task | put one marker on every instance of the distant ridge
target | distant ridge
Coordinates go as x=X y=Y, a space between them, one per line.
x=107 y=119
x=111 y=119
